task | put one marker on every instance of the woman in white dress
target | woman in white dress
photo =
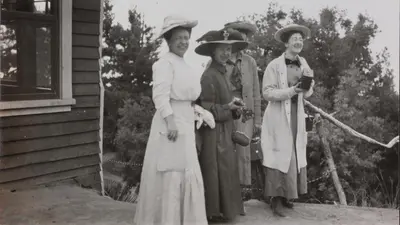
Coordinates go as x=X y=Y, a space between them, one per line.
x=171 y=188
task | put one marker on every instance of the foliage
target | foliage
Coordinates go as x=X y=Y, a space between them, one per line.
x=128 y=55
x=120 y=191
x=352 y=83
x=132 y=135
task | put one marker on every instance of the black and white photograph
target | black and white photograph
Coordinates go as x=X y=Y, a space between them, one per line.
x=198 y=112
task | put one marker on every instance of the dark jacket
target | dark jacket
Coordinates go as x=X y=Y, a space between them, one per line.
x=218 y=158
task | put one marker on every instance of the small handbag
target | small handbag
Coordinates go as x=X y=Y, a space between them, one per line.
x=240 y=138
x=255 y=149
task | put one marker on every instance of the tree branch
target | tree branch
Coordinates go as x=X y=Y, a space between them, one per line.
x=348 y=129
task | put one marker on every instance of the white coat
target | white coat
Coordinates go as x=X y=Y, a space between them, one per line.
x=276 y=134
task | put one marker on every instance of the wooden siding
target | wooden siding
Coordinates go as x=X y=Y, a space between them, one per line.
x=40 y=149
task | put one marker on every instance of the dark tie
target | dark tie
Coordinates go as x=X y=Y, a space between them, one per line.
x=295 y=62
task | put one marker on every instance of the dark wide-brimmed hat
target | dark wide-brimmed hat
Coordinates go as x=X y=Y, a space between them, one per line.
x=224 y=36
x=291 y=28
x=242 y=26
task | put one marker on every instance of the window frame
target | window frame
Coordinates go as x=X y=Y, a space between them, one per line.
x=64 y=102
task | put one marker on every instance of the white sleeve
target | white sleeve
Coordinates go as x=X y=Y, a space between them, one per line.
x=163 y=76
x=270 y=89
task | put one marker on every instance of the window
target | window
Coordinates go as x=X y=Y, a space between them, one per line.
x=35 y=69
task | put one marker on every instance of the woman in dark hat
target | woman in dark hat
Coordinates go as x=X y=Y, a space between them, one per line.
x=287 y=81
x=218 y=158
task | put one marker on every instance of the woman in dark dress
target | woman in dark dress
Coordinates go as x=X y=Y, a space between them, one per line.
x=284 y=119
x=217 y=157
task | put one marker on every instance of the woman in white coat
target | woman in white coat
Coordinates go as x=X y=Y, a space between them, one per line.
x=171 y=188
x=283 y=135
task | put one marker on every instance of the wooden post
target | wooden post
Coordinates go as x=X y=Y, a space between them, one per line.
x=101 y=98
x=322 y=134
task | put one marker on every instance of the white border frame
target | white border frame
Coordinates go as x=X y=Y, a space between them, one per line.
x=64 y=103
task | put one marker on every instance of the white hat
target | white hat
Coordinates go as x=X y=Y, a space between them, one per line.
x=172 y=21
x=292 y=27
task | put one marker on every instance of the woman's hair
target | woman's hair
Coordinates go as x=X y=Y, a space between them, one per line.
x=286 y=36
x=167 y=36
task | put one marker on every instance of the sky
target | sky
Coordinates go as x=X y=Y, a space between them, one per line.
x=213 y=14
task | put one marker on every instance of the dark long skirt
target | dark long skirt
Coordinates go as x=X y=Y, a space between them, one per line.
x=292 y=183
x=257 y=180
x=219 y=166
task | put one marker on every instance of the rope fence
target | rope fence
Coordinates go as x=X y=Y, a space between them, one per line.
x=324 y=175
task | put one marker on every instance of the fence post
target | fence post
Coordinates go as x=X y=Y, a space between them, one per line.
x=322 y=134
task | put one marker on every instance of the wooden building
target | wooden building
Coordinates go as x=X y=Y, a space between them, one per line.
x=51 y=92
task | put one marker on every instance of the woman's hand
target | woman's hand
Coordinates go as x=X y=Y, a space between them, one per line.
x=236 y=104
x=233 y=105
x=172 y=133
x=297 y=88
x=308 y=72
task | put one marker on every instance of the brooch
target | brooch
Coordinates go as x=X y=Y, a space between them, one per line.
x=226 y=35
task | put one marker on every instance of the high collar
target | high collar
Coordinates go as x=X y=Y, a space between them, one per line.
x=174 y=55
x=218 y=66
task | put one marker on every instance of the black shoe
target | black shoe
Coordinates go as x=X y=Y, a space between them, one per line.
x=217 y=219
x=213 y=219
x=275 y=203
x=286 y=203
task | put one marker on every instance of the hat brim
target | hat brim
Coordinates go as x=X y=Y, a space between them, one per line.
x=207 y=48
x=247 y=27
x=302 y=29
x=187 y=24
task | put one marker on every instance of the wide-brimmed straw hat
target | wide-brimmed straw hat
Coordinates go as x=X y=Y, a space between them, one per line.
x=292 y=27
x=242 y=26
x=224 y=36
x=173 y=21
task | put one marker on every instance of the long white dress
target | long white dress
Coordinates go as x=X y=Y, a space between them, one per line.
x=171 y=189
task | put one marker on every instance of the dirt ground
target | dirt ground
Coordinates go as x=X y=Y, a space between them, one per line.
x=72 y=205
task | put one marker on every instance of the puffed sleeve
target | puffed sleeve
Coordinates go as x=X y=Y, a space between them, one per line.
x=162 y=81
x=270 y=89
x=220 y=112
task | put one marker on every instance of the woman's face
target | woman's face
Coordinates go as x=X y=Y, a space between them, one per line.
x=295 y=44
x=179 y=42
x=222 y=53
